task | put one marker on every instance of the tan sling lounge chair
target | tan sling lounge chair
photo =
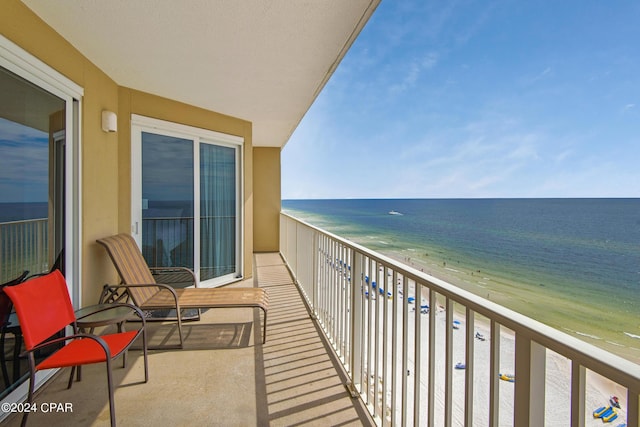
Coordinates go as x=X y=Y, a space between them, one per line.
x=139 y=284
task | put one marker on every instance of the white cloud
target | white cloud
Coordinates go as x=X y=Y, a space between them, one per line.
x=412 y=71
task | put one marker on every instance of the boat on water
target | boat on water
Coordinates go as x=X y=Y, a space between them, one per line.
x=392 y=212
x=456 y=324
x=460 y=365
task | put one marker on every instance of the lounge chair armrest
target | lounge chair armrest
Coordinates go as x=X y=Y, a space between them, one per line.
x=110 y=290
x=111 y=293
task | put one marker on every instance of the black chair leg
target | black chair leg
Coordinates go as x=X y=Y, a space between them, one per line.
x=3 y=360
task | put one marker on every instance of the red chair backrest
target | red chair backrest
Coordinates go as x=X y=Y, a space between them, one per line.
x=43 y=307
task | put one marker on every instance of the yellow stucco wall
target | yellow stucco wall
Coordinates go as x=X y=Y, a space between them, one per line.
x=266 y=215
x=105 y=158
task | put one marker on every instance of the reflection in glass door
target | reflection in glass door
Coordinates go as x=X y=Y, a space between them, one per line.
x=167 y=201
x=188 y=200
x=32 y=199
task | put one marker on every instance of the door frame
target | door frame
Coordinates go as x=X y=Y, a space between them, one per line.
x=32 y=69
x=140 y=124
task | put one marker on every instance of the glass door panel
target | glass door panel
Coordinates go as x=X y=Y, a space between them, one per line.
x=32 y=196
x=218 y=202
x=167 y=201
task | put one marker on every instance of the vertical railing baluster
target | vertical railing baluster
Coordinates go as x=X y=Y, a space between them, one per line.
x=633 y=408
x=356 y=326
x=417 y=344
x=333 y=296
x=405 y=345
x=578 y=392
x=529 y=399
x=385 y=347
x=432 y=359
x=468 y=374
x=448 y=365
x=394 y=346
x=494 y=372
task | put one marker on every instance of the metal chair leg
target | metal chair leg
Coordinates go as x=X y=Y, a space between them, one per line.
x=112 y=409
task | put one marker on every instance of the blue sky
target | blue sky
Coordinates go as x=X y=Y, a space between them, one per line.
x=457 y=99
x=23 y=148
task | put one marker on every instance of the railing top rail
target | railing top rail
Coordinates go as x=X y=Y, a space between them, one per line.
x=23 y=221
x=614 y=367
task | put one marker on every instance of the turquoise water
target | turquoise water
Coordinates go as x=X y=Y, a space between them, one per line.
x=570 y=263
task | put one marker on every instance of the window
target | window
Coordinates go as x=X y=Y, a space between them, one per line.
x=186 y=198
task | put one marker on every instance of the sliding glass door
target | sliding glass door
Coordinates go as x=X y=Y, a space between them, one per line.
x=186 y=204
x=39 y=191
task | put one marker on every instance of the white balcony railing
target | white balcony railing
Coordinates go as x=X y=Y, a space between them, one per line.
x=374 y=311
x=23 y=246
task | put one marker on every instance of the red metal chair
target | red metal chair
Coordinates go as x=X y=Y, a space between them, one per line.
x=44 y=308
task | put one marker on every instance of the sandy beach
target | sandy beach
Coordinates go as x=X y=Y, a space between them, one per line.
x=541 y=304
x=558 y=374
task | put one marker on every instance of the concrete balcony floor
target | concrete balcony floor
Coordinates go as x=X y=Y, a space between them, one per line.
x=224 y=376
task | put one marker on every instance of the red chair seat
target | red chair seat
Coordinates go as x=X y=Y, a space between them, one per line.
x=86 y=351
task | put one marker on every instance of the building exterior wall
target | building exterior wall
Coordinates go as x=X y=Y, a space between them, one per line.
x=105 y=157
x=267 y=197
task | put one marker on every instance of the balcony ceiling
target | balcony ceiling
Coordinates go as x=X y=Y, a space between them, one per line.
x=260 y=60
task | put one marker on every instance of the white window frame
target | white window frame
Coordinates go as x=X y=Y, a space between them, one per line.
x=141 y=124
x=30 y=68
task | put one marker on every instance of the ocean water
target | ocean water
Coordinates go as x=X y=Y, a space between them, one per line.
x=571 y=263
x=19 y=211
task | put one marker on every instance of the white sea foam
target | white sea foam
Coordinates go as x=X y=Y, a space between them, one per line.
x=614 y=343
x=595 y=337
x=632 y=335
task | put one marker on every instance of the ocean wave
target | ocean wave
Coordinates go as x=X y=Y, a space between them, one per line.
x=632 y=335
x=614 y=343
x=584 y=334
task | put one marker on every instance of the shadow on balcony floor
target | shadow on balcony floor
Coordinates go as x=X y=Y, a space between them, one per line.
x=223 y=376
x=302 y=382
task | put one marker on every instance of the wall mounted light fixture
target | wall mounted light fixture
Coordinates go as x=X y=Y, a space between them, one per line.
x=109 y=121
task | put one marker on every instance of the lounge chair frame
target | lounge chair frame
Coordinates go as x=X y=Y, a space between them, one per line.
x=139 y=285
